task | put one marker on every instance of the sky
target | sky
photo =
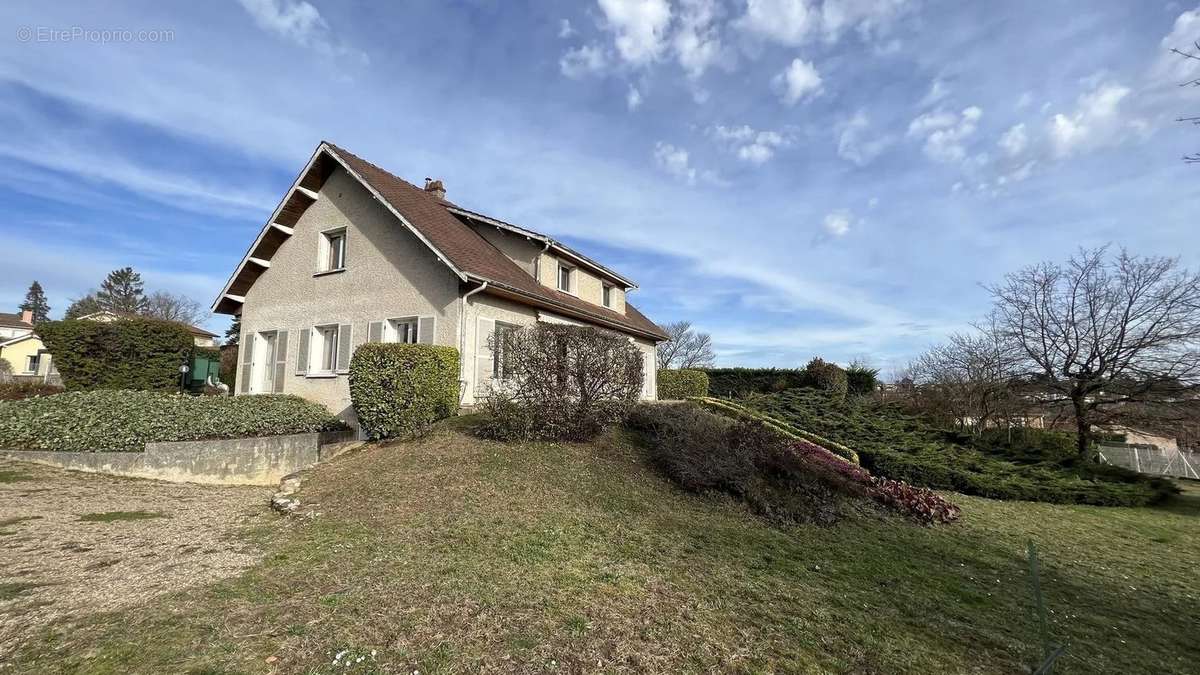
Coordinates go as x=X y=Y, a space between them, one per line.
x=795 y=177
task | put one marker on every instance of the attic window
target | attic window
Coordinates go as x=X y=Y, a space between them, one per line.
x=607 y=295
x=333 y=250
x=564 y=278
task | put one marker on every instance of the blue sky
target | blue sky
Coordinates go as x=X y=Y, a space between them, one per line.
x=795 y=177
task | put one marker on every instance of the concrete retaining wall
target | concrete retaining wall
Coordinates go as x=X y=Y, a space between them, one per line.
x=236 y=461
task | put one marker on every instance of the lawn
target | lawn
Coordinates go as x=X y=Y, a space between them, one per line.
x=452 y=554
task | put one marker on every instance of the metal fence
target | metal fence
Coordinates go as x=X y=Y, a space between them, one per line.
x=1149 y=459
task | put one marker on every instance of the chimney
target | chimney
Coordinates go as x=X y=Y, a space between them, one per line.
x=435 y=188
x=27 y=315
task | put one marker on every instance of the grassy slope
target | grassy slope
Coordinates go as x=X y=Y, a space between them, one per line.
x=455 y=555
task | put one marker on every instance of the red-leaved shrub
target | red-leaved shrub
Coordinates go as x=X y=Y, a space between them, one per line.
x=918 y=503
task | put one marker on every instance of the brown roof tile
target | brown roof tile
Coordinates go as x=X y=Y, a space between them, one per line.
x=13 y=321
x=475 y=256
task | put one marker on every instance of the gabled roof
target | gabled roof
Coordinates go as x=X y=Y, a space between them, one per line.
x=13 y=321
x=433 y=221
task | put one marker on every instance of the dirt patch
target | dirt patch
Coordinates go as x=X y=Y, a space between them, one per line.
x=73 y=544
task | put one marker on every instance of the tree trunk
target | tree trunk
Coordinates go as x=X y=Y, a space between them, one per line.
x=1083 y=427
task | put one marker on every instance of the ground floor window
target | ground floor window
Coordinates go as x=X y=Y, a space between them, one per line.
x=31 y=364
x=323 y=351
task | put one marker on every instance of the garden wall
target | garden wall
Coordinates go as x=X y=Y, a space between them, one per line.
x=237 y=461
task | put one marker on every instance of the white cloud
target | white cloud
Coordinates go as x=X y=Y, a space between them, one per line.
x=583 y=61
x=837 y=223
x=798 y=81
x=1014 y=141
x=1094 y=122
x=674 y=161
x=697 y=43
x=565 y=30
x=870 y=17
x=755 y=147
x=1171 y=70
x=297 y=21
x=633 y=99
x=787 y=22
x=945 y=133
x=639 y=26
x=854 y=143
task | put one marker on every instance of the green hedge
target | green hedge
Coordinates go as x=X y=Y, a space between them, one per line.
x=738 y=382
x=114 y=420
x=676 y=385
x=133 y=353
x=400 y=389
x=731 y=409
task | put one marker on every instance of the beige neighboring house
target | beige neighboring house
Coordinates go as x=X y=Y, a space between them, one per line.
x=23 y=349
x=200 y=337
x=354 y=254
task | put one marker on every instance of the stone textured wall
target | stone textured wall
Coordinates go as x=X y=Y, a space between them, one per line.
x=238 y=461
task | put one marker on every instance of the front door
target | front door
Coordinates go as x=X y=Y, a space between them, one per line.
x=264 y=363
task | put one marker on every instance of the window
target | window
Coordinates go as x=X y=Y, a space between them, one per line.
x=500 y=363
x=323 y=349
x=401 y=330
x=607 y=295
x=564 y=278
x=333 y=251
x=31 y=364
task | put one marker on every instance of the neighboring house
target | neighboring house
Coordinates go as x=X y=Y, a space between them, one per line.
x=354 y=254
x=200 y=337
x=22 y=348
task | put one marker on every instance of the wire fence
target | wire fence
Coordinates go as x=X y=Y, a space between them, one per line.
x=1151 y=460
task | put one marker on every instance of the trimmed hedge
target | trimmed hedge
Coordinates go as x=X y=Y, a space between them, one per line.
x=132 y=353
x=399 y=390
x=679 y=384
x=739 y=382
x=116 y=421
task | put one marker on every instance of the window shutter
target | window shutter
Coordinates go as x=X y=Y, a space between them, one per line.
x=247 y=347
x=280 y=365
x=425 y=330
x=375 y=331
x=345 y=333
x=483 y=355
x=302 y=355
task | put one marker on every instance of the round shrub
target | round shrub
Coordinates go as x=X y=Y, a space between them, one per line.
x=676 y=385
x=399 y=390
x=828 y=377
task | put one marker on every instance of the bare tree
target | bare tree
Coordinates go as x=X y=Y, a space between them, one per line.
x=1101 y=333
x=171 y=307
x=686 y=348
x=1194 y=82
x=968 y=381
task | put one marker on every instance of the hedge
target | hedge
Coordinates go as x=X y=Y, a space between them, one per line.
x=676 y=385
x=400 y=389
x=129 y=353
x=731 y=409
x=115 y=420
x=739 y=382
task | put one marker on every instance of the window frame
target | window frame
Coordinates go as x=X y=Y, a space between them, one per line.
x=33 y=360
x=498 y=352
x=319 y=344
x=325 y=253
x=606 y=295
x=569 y=271
x=390 y=333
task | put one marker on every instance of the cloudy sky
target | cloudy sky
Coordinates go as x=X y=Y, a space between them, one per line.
x=796 y=177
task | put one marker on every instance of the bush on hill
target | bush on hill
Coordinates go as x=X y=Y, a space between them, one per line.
x=114 y=420
x=780 y=478
x=899 y=446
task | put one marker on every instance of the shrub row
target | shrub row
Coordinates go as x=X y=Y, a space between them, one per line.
x=130 y=353
x=399 y=390
x=15 y=391
x=899 y=446
x=114 y=420
x=779 y=478
x=684 y=383
x=731 y=409
x=739 y=382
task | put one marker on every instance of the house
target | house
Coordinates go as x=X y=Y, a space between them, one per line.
x=200 y=337
x=354 y=254
x=22 y=348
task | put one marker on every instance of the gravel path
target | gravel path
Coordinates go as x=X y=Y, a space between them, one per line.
x=73 y=543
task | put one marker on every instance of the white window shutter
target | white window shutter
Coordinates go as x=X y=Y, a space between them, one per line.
x=247 y=347
x=483 y=354
x=280 y=365
x=375 y=331
x=425 y=330
x=345 y=334
x=302 y=355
